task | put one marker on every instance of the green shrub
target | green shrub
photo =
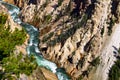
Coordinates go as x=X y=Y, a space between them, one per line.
x=111 y=24
x=68 y=8
x=3 y=18
x=19 y=64
x=8 y=40
x=12 y=63
x=114 y=73
x=45 y=4
x=95 y=62
x=47 y=18
x=60 y=2
x=73 y=53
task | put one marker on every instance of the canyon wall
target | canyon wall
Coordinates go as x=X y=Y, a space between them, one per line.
x=72 y=33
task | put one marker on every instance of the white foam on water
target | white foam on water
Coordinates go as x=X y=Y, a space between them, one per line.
x=28 y=50
x=60 y=77
x=35 y=44
x=35 y=29
x=45 y=63
x=33 y=32
x=10 y=8
x=30 y=43
x=37 y=50
x=18 y=20
x=61 y=74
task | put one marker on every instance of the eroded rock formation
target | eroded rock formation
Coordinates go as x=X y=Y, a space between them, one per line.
x=72 y=33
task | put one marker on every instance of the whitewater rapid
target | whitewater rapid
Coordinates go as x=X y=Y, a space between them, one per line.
x=33 y=43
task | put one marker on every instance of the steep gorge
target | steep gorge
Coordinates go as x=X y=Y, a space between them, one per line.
x=73 y=33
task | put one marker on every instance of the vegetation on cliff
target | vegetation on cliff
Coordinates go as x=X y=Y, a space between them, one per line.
x=67 y=28
x=13 y=64
x=8 y=39
x=114 y=73
x=18 y=64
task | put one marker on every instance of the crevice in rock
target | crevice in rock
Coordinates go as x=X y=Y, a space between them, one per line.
x=90 y=8
x=32 y=2
x=88 y=45
x=70 y=59
x=114 y=7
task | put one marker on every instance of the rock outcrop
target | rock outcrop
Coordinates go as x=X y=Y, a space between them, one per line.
x=19 y=3
x=72 y=33
x=37 y=74
x=10 y=22
x=13 y=26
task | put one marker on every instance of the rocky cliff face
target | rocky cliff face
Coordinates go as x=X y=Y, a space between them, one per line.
x=72 y=33
x=9 y=21
x=38 y=74
x=13 y=26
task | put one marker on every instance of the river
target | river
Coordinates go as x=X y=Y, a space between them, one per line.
x=33 y=43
